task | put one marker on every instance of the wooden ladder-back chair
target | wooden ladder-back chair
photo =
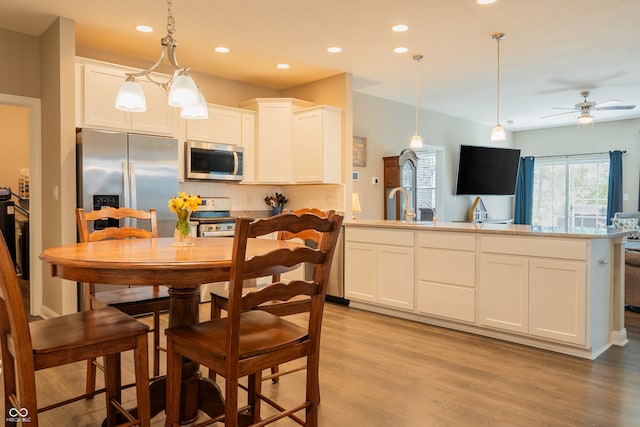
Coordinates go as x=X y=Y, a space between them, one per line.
x=248 y=341
x=135 y=301
x=30 y=347
x=299 y=304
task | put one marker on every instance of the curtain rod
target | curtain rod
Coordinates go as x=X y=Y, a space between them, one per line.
x=572 y=155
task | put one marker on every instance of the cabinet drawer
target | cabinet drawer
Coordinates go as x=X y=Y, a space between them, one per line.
x=449 y=301
x=379 y=236
x=533 y=246
x=459 y=241
x=445 y=266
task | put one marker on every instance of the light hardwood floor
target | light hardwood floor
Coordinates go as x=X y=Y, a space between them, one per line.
x=380 y=371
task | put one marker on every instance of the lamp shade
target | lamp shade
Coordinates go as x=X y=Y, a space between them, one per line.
x=183 y=92
x=198 y=111
x=130 y=97
x=585 y=119
x=498 y=133
x=416 y=141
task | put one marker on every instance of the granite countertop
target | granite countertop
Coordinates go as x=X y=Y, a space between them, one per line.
x=490 y=228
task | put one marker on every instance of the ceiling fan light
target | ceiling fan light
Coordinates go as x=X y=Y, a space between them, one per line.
x=498 y=133
x=130 y=97
x=183 y=92
x=585 y=119
x=196 y=112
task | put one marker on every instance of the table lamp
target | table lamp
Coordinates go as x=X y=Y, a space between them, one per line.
x=355 y=205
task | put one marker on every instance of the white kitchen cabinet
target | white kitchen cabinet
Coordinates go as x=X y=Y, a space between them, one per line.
x=504 y=292
x=446 y=275
x=557 y=300
x=379 y=267
x=223 y=126
x=99 y=87
x=249 y=146
x=274 y=139
x=317 y=148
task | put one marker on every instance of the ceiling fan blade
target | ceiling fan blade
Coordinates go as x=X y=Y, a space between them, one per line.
x=608 y=103
x=558 y=114
x=564 y=108
x=617 y=107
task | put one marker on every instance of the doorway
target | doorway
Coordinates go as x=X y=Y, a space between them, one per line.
x=30 y=107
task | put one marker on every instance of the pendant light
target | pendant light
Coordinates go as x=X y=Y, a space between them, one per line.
x=416 y=140
x=182 y=90
x=498 y=133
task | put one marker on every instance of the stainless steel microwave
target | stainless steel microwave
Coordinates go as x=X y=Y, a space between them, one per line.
x=217 y=162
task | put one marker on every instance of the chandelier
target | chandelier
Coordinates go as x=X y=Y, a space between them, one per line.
x=182 y=90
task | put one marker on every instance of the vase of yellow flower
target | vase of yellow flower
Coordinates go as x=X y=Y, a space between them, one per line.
x=183 y=205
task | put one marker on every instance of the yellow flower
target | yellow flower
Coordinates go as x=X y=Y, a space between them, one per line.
x=184 y=203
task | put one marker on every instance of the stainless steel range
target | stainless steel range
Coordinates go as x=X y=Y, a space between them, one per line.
x=213 y=218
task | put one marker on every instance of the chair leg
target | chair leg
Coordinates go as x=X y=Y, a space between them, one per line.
x=216 y=313
x=156 y=343
x=313 y=391
x=275 y=370
x=174 y=382
x=141 y=360
x=253 y=389
x=113 y=384
x=91 y=377
x=231 y=400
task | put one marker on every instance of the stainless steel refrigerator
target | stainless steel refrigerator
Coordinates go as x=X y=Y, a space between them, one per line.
x=127 y=170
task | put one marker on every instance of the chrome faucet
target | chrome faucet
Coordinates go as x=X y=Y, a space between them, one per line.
x=408 y=214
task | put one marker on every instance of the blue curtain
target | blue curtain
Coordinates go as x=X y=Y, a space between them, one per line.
x=523 y=211
x=614 y=198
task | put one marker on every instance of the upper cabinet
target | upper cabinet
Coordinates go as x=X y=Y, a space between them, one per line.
x=296 y=141
x=317 y=148
x=224 y=126
x=97 y=86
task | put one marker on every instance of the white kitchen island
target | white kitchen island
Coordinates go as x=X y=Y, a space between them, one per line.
x=558 y=290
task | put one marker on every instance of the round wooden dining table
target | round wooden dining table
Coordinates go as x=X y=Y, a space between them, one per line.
x=182 y=269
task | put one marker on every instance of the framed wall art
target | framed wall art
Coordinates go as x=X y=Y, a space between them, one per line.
x=359 y=151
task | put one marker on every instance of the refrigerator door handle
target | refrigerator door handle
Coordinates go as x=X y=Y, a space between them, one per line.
x=128 y=179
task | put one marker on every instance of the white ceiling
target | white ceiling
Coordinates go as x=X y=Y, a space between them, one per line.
x=553 y=49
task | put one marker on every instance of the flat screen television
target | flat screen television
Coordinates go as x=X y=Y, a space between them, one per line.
x=487 y=171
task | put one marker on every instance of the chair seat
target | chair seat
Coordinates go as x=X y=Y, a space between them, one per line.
x=141 y=296
x=260 y=332
x=74 y=331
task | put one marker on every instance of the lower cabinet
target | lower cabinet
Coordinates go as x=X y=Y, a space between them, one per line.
x=379 y=267
x=540 y=297
x=446 y=275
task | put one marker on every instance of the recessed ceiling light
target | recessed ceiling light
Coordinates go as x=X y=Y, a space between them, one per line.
x=222 y=49
x=334 y=49
x=399 y=28
x=485 y=1
x=283 y=66
x=401 y=50
x=144 y=29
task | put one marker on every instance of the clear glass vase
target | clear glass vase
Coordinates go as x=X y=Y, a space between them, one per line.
x=182 y=235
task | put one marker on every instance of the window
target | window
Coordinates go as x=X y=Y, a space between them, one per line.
x=571 y=191
x=429 y=171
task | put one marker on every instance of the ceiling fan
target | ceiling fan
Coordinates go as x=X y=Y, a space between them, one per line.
x=586 y=107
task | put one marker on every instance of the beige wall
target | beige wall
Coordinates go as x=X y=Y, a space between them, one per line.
x=14 y=142
x=388 y=127
x=57 y=46
x=20 y=64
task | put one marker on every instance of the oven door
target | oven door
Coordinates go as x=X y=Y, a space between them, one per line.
x=218 y=162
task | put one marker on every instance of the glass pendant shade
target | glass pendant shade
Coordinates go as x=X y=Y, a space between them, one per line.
x=130 y=97
x=416 y=141
x=585 y=119
x=198 y=111
x=498 y=133
x=183 y=92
